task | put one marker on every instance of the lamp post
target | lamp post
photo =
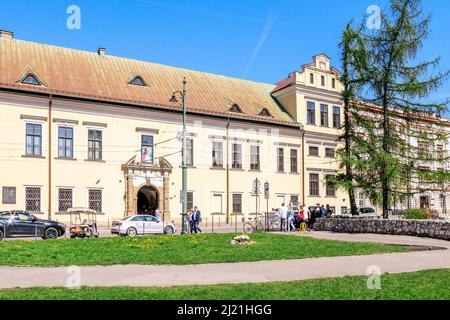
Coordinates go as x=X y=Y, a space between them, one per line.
x=184 y=157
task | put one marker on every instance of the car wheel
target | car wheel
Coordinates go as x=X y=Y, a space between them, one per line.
x=1 y=235
x=168 y=230
x=131 y=232
x=51 y=233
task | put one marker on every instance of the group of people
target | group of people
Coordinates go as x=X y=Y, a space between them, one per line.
x=150 y=212
x=292 y=217
x=194 y=217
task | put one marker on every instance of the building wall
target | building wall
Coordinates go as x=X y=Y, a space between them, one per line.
x=122 y=129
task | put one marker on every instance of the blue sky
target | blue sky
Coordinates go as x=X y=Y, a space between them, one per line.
x=260 y=40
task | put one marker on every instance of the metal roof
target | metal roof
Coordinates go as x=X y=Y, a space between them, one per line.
x=81 y=74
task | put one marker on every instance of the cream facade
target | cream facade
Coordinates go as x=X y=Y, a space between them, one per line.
x=75 y=144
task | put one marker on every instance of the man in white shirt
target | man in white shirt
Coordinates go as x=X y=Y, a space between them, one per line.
x=283 y=212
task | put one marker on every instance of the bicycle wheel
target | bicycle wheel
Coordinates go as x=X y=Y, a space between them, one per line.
x=249 y=228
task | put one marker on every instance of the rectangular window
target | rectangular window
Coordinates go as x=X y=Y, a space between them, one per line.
x=324 y=115
x=95 y=200
x=329 y=153
x=344 y=210
x=294 y=201
x=311 y=78
x=237 y=203
x=217 y=154
x=189 y=152
x=190 y=200
x=314 y=184
x=280 y=158
x=331 y=190
x=95 y=145
x=236 y=156
x=9 y=195
x=333 y=83
x=33 y=199
x=294 y=161
x=311 y=113
x=332 y=210
x=64 y=199
x=336 y=117
x=34 y=140
x=147 y=149
x=322 y=80
x=217 y=203
x=65 y=142
x=314 y=151
x=255 y=163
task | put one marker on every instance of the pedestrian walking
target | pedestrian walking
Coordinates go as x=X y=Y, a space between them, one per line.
x=290 y=218
x=197 y=220
x=190 y=215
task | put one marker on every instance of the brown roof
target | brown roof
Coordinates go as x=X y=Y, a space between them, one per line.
x=81 y=74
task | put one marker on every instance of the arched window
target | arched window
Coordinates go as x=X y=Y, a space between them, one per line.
x=31 y=79
x=265 y=113
x=235 y=108
x=138 y=81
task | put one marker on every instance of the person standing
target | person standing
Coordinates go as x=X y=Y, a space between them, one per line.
x=190 y=214
x=323 y=211
x=306 y=215
x=283 y=212
x=197 y=220
x=290 y=219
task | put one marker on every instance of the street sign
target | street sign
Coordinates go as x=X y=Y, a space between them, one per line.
x=256 y=186
x=266 y=190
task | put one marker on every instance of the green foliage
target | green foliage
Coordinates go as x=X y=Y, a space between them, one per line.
x=386 y=100
x=176 y=250
x=424 y=285
x=417 y=214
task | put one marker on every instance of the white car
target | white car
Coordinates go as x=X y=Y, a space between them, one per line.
x=142 y=225
x=367 y=212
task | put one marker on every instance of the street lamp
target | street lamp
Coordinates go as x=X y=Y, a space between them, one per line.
x=184 y=156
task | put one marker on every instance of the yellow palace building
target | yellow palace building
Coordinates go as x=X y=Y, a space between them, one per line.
x=82 y=129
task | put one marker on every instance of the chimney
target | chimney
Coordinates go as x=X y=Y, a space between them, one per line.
x=6 y=34
x=101 y=52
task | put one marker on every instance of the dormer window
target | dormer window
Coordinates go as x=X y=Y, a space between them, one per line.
x=138 y=81
x=235 y=109
x=265 y=113
x=31 y=79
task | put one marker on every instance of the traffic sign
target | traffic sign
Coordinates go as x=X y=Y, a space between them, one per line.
x=266 y=190
x=256 y=186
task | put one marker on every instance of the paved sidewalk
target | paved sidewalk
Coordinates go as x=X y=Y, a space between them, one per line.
x=247 y=272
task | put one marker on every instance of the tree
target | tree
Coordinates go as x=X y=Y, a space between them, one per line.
x=353 y=59
x=397 y=91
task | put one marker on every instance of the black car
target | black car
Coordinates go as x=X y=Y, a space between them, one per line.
x=23 y=224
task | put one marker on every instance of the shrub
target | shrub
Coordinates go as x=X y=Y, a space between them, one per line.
x=417 y=214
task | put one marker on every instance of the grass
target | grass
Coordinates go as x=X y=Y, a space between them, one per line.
x=177 y=250
x=425 y=285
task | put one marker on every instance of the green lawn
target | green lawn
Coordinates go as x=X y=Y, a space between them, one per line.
x=426 y=285
x=177 y=250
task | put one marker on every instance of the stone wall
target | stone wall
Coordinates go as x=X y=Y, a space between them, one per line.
x=418 y=228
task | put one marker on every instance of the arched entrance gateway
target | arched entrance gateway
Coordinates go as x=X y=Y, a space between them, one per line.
x=147 y=199
x=147 y=187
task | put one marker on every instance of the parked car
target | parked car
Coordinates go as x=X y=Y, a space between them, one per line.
x=367 y=212
x=17 y=224
x=141 y=225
